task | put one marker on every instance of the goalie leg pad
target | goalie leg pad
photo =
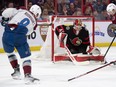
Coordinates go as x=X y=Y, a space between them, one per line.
x=81 y=58
x=97 y=58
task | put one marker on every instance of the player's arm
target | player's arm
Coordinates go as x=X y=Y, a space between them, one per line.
x=62 y=35
x=86 y=38
x=8 y=14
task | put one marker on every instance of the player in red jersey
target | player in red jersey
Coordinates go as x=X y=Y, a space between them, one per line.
x=111 y=10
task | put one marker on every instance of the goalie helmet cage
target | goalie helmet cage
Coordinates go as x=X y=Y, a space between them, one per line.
x=51 y=45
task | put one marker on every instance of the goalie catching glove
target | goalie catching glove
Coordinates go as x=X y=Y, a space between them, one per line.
x=62 y=39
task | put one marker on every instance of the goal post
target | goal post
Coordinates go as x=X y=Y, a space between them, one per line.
x=52 y=43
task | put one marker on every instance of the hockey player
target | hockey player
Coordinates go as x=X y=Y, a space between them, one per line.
x=76 y=38
x=111 y=10
x=18 y=24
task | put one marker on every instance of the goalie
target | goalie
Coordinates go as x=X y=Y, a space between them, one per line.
x=76 y=38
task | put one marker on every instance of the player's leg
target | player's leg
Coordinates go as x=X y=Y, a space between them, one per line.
x=25 y=54
x=8 y=46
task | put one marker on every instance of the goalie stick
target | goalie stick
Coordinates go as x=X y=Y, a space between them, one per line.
x=63 y=40
x=98 y=67
x=72 y=57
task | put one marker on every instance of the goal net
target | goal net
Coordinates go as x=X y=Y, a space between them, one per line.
x=50 y=48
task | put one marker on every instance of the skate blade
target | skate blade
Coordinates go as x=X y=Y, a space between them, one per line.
x=16 y=78
x=36 y=81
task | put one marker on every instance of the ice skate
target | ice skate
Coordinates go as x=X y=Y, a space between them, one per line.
x=29 y=79
x=16 y=74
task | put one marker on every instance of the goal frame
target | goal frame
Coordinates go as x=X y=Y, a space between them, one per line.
x=54 y=58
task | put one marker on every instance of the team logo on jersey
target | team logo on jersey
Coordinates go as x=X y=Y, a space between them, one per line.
x=67 y=28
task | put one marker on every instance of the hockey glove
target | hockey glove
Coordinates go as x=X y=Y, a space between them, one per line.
x=95 y=51
x=4 y=21
x=76 y=41
x=62 y=39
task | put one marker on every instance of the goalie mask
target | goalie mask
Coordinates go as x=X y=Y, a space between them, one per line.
x=36 y=10
x=77 y=24
x=111 y=9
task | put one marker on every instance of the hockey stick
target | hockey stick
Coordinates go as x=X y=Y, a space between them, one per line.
x=92 y=70
x=70 y=55
x=98 y=67
x=49 y=23
x=63 y=40
x=109 y=46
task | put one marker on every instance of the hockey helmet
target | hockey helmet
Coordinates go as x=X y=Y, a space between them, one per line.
x=77 y=24
x=111 y=9
x=36 y=10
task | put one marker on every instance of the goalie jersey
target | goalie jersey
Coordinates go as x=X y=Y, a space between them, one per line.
x=76 y=43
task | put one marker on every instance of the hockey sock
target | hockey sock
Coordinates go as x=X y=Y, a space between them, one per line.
x=13 y=60
x=27 y=67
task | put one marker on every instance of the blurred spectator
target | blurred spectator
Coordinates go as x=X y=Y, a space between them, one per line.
x=40 y=2
x=45 y=15
x=62 y=7
x=10 y=5
x=50 y=6
x=98 y=6
x=78 y=13
x=104 y=3
x=71 y=9
x=29 y=5
x=105 y=15
x=113 y=1
x=96 y=15
x=64 y=10
x=71 y=1
x=77 y=4
x=88 y=9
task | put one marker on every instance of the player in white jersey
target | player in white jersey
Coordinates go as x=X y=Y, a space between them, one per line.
x=18 y=24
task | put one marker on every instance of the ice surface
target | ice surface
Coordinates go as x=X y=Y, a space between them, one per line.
x=56 y=75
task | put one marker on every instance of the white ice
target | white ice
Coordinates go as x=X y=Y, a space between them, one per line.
x=56 y=75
